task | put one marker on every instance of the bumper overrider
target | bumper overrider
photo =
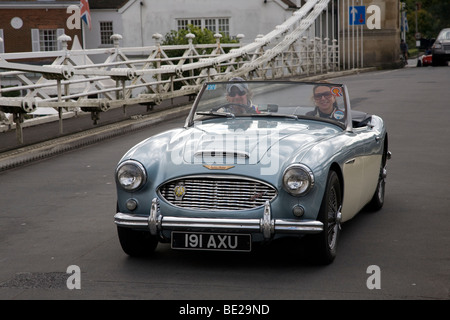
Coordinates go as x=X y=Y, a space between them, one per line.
x=156 y=223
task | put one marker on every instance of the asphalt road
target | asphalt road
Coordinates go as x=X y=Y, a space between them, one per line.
x=58 y=213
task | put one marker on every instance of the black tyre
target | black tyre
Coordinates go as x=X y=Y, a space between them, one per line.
x=324 y=245
x=137 y=243
x=377 y=201
x=437 y=61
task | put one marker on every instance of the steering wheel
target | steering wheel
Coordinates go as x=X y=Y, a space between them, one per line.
x=229 y=107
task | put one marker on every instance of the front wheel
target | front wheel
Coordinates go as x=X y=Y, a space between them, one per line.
x=137 y=243
x=377 y=201
x=324 y=245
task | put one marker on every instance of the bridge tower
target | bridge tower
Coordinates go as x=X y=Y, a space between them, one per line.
x=361 y=43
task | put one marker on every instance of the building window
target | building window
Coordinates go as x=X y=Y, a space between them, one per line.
x=48 y=40
x=210 y=24
x=224 y=26
x=182 y=24
x=221 y=25
x=106 y=31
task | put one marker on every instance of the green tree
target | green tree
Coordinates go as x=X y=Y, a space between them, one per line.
x=432 y=16
x=202 y=36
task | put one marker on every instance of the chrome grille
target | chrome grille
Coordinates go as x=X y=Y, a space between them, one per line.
x=218 y=193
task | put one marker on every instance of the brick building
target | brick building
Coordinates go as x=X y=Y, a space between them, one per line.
x=34 y=25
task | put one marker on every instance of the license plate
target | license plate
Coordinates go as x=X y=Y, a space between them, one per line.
x=211 y=241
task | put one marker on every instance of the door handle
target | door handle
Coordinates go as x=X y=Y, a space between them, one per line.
x=351 y=161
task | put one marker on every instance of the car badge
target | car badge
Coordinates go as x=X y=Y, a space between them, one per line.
x=258 y=195
x=211 y=167
x=179 y=191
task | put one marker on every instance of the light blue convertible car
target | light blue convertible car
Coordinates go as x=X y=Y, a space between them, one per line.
x=255 y=161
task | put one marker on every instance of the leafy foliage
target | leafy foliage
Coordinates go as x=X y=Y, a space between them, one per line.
x=432 y=16
x=202 y=36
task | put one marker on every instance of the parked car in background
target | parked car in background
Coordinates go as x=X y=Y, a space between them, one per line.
x=441 y=48
x=425 y=60
x=255 y=161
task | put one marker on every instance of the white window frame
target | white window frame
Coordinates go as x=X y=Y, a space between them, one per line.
x=106 y=40
x=221 y=25
x=36 y=39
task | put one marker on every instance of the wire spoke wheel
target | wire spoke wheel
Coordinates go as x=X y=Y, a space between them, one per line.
x=323 y=245
x=333 y=224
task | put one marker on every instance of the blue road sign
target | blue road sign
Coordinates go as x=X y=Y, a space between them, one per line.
x=356 y=15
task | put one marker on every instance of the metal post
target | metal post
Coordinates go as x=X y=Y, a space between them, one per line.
x=18 y=120
x=58 y=86
x=348 y=36
x=353 y=40
x=343 y=36
x=357 y=44
x=362 y=42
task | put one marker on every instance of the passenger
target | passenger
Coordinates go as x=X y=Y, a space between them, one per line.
x=326 y=105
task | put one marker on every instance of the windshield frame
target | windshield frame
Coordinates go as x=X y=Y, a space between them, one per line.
x=343 y=95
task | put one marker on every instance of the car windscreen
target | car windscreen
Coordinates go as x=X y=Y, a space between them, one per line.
x=444 y=35
x=319 y=101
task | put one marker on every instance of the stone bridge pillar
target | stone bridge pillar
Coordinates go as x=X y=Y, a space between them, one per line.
x=361 y=46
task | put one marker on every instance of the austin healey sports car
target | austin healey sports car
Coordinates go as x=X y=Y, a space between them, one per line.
x=255 y=161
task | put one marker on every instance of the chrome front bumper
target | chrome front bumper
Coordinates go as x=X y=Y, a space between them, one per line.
x=156 y=223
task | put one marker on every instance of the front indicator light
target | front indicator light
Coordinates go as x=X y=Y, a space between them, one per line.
x=131 y=204
x=298 y=211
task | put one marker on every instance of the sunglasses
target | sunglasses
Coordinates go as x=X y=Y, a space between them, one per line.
x=326 y=95
x=239 y=93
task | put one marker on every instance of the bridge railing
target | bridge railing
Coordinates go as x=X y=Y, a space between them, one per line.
x=73 y=82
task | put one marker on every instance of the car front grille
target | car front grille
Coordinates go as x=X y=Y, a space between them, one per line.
x=217 y=193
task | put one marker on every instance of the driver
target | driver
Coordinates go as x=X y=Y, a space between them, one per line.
x=239 y=96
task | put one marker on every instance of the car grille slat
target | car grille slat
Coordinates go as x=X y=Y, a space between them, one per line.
x=218 y=193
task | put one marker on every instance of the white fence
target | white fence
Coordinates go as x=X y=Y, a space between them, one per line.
x=148 y=75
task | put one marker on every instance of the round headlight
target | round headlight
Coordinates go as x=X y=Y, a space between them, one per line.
x=131 y=175
x=298 y=179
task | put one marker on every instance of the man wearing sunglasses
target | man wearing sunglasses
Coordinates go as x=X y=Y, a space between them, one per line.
x=239 y=97
x=326 y=105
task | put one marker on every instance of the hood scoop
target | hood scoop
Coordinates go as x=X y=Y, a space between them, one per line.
x=221 y=154
x=221 y=157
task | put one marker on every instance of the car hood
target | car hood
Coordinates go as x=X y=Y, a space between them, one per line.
x=247 y=141
x=233 y=142
x=261 y=147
